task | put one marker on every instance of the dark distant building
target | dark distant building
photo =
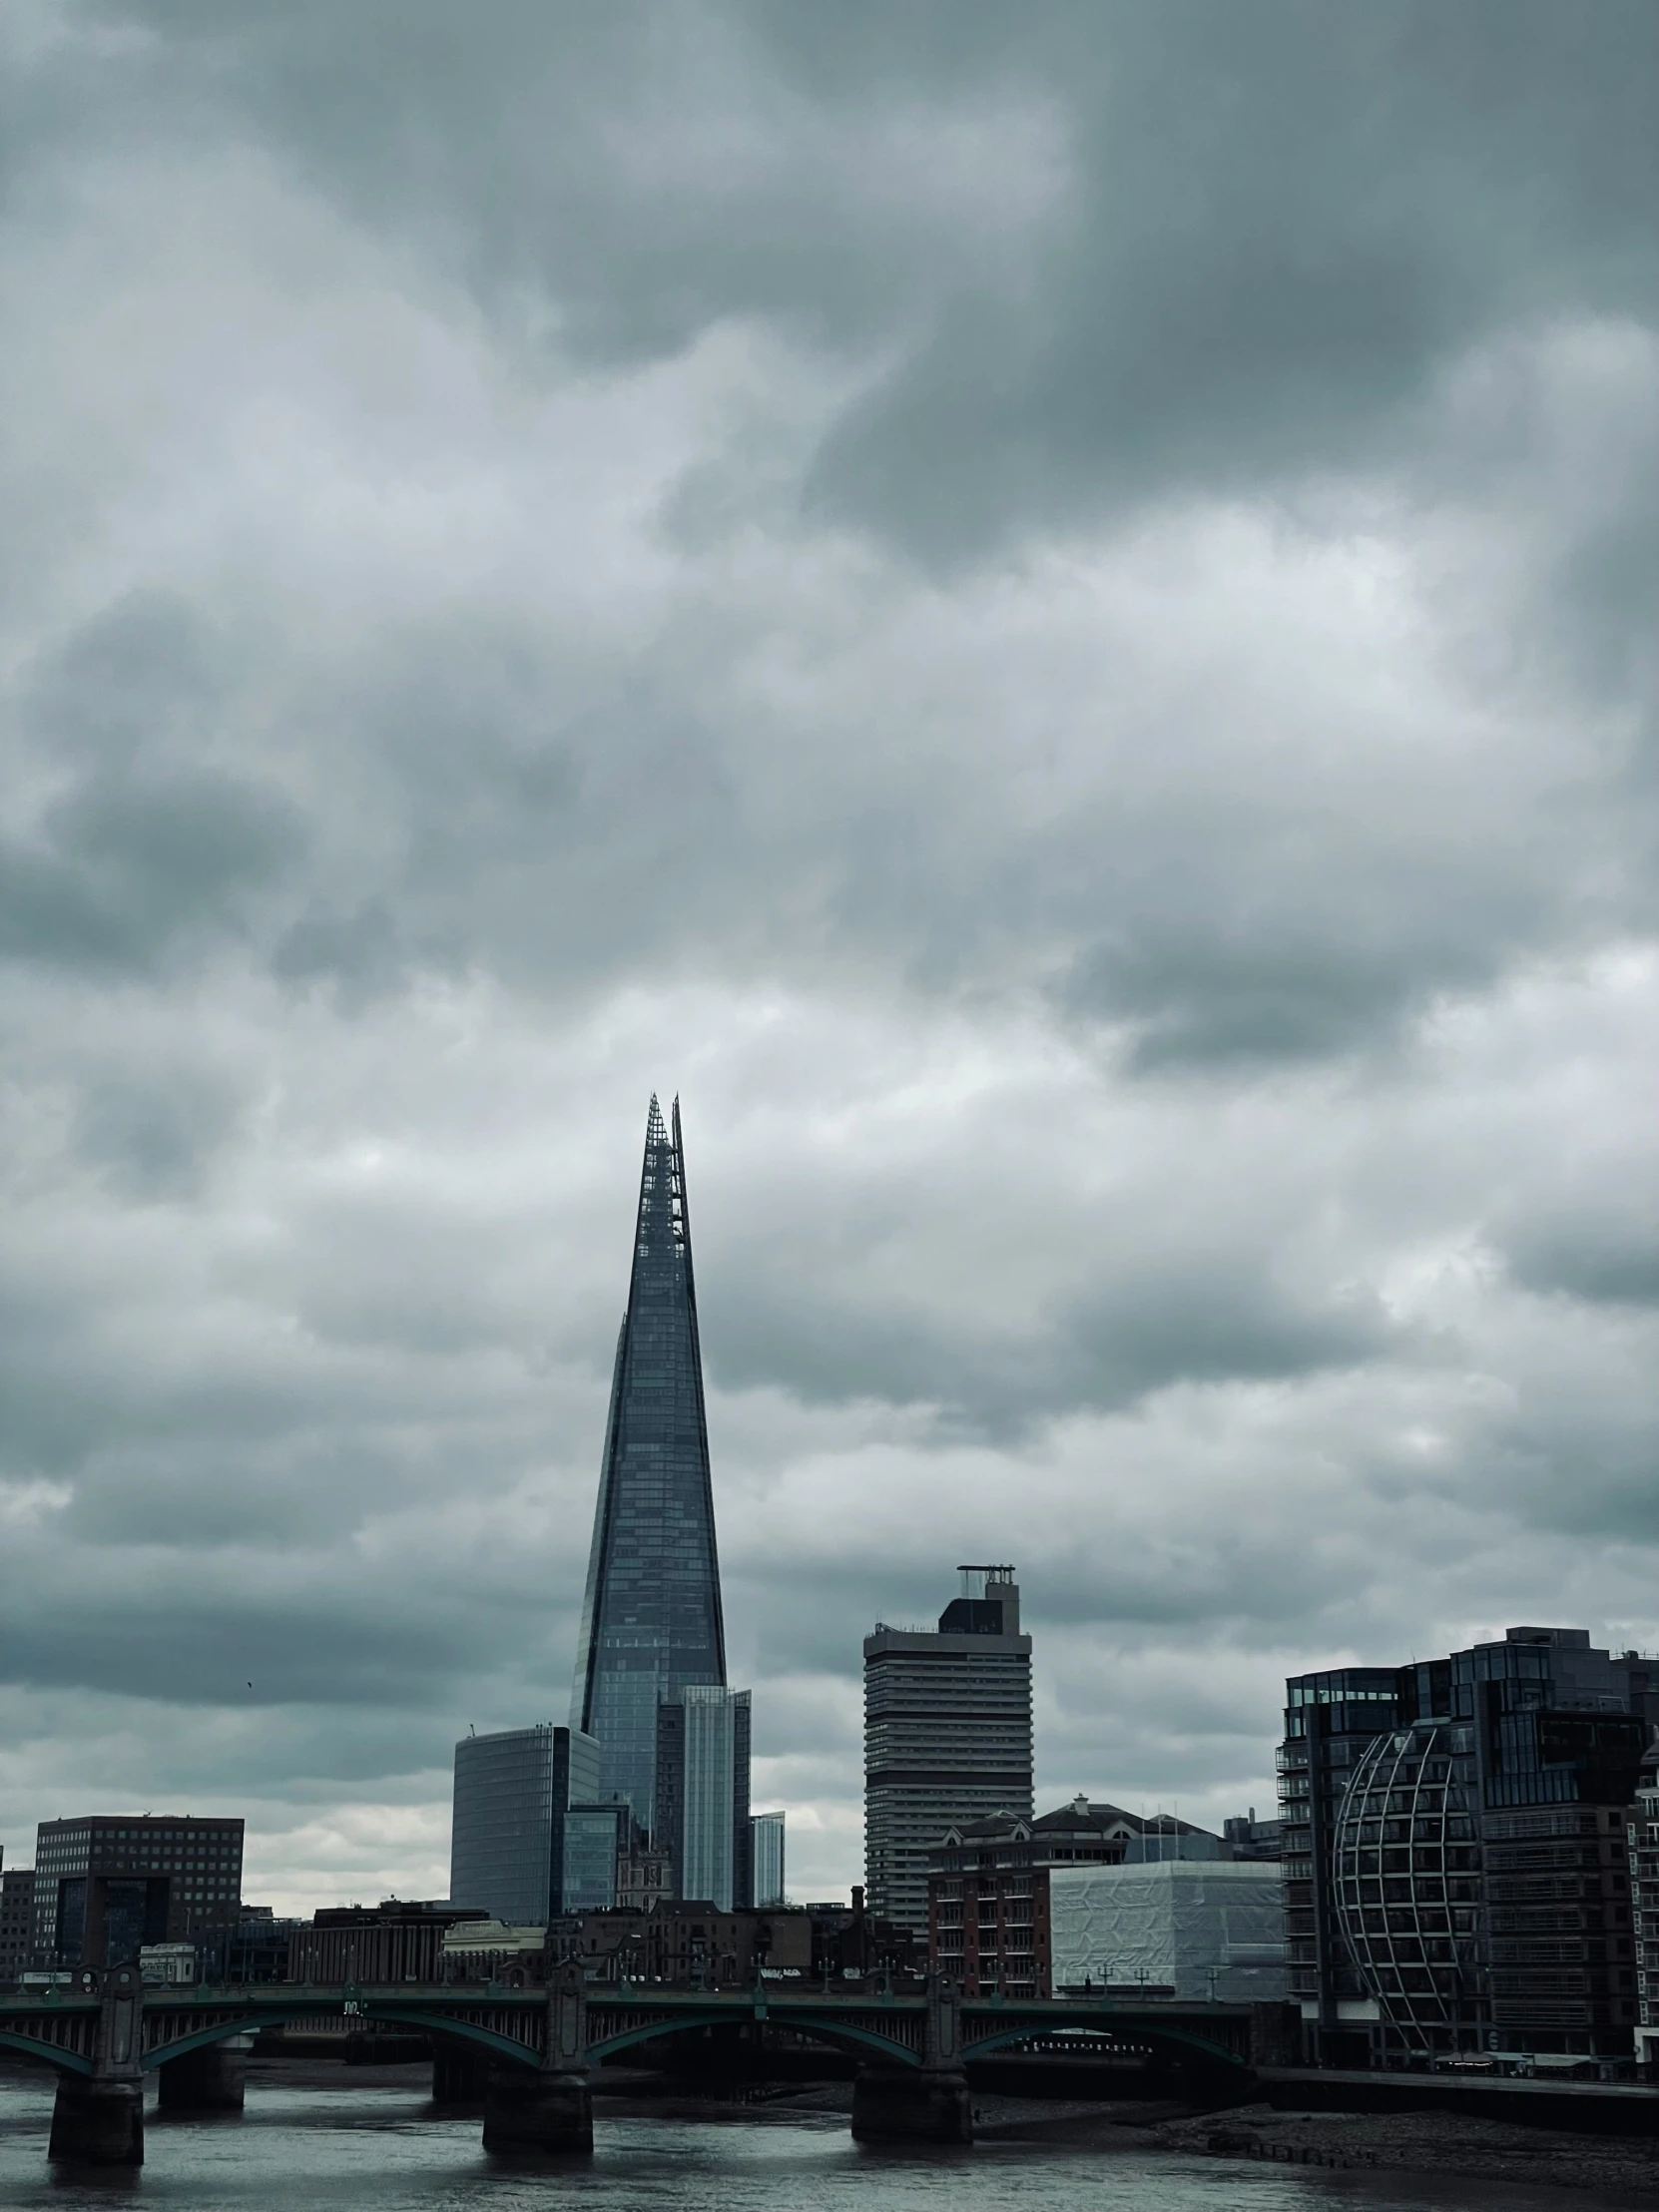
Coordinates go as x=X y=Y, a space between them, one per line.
x=513 y=1790
x=17 y=1921
x=686 y=1943
x=255 y=1950
x=1249 y=1838
x=651 y=1617
x=988 y=1886
x=110 y=1884
x=1454 y=1850
x=701 y=1820
x=947 y=1734
x=398 y=1940
x=851 y=1946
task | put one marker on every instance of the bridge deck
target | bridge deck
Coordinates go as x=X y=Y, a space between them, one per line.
x=509 y=2023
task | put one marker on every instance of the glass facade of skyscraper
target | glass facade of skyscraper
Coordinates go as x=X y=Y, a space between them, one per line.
x=1453 y=1849
x=597 y=1838
x=766 y=1859
x=702 y=1808
x=651 y=1616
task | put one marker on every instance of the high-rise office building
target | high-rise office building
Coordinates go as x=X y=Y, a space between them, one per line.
x=513 y=1791
x=108 y=1884
x=651 y=1616
x=947 y=1734
x=766 y=1859
x=701 y=1817
x=1454 y=1850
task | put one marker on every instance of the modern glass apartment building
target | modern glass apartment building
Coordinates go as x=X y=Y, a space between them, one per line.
x=947 y=1734
x=513 y=1790
x=651 y=1616
x=766 y=1859
x=1454 y=1849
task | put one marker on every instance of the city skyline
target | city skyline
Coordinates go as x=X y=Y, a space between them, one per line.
x=1046 y=614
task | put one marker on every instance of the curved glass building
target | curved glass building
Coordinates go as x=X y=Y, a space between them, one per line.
x=1406 y=1880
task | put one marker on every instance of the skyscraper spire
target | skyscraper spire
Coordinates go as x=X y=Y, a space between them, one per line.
x=650 y=1618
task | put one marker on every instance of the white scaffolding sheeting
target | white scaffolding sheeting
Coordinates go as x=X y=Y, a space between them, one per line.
x=1196 y=1929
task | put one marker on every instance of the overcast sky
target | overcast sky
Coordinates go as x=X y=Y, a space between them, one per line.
x=1046 y=612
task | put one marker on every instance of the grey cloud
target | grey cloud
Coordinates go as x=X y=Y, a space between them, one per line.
x=155 y=1134
x=359 y=953
x=128 y=682
x=1041 y=609
x=1107 y=1347
x=1290 y=220
x=127 y=869
x=1610 y=1258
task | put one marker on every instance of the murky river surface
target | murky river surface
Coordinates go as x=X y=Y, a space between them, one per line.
x=354 y=2149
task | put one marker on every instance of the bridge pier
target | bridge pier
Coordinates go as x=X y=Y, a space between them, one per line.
x=97 y=2119
x=96 y=2123
x=547 y=2108
x=926 y=2104
x=528 y=2109
x=211 y=2079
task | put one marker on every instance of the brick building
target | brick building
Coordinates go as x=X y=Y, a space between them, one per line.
x=987 y=1886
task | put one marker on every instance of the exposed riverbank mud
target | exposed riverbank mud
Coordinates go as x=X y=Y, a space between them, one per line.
x=1622 y=2168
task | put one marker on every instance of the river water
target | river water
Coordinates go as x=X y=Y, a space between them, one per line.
x=375 y=2149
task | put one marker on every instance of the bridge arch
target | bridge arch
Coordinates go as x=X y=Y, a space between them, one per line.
x=1180 y=2041
x=52 y=2055
x=842 y=2035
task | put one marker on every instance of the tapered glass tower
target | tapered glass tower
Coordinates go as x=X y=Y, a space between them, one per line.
x=651 y=1619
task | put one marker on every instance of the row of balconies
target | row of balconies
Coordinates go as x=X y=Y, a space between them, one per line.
x=1554 y=1951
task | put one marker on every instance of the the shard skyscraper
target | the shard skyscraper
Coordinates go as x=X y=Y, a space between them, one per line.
x=651 y=1619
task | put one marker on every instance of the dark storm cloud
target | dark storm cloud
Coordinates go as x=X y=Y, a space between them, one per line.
x=127 y=868
x=1278 y=222
x=145 y=847
x=1289 y=218
x=1112 y=1344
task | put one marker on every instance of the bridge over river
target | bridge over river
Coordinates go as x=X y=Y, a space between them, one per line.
x=105 y=2031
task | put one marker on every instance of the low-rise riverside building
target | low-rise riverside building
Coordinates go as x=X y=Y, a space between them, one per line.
x=988 y=1886
x=852 y=1946
x=490 y=1950
x=400 y=1940
x=1184 y=1927
x=685 y=1944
